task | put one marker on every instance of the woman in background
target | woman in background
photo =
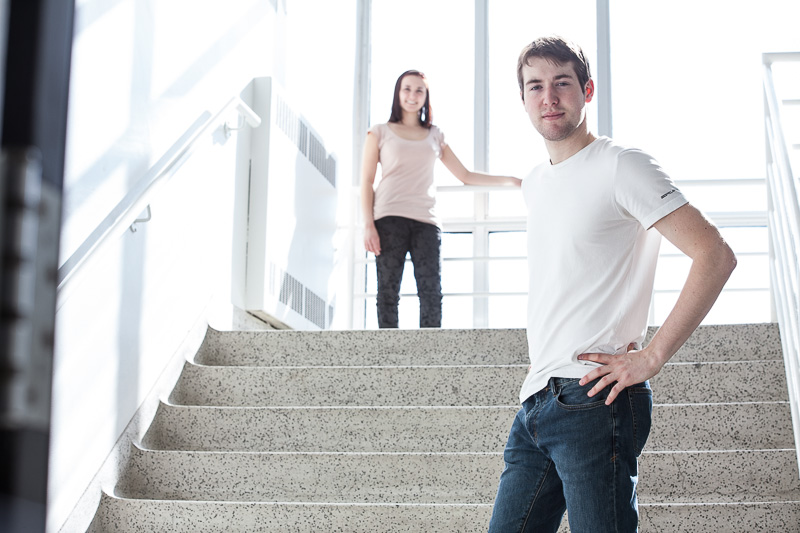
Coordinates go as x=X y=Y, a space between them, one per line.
x=399 y=214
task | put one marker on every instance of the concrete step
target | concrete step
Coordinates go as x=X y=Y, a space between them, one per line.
x=442 y=429
x=729 y=342
x=486 y=385
x=145 y=516
x=426 y=478
x=449 y=347
x=403 y=430
x=365 y=348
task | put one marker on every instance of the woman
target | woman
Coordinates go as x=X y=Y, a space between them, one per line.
x=399 y=215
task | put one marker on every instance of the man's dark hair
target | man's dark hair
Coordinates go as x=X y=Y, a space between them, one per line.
x=557 y=50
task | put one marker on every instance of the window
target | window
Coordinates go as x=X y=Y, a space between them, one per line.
x=514 y=146
x=669 y=98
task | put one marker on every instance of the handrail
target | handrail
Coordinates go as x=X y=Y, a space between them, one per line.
x=784 y=217
x=721 y=182
x=123 y=215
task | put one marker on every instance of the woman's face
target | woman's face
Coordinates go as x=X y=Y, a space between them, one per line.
x=413 y=93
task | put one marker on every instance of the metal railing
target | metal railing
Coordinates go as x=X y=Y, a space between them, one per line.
x=517 y=223
x=784 y=231
x=126 y=213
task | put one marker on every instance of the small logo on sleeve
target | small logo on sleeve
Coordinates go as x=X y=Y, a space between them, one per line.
x=668 y=193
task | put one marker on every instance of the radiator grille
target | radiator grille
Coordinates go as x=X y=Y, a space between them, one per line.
x=306 y=141
x=302 y=300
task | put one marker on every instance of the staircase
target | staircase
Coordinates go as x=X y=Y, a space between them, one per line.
x=388 y=431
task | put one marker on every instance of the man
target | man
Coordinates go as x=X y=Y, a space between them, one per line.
x=596 y=212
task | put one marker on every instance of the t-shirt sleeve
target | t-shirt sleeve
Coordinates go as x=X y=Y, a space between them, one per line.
x=643 y=189
x=377 y=131
x=438 y=135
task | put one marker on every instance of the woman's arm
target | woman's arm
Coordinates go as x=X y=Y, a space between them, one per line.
x=469 y=177
x=369 y=168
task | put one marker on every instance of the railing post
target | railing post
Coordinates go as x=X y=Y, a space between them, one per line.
x=784 y=232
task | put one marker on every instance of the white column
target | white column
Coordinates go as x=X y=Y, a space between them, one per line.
x=361 y=105
x=480 y=236
x=603 y=94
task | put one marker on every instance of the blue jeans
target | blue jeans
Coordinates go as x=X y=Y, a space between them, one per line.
x=569 y=452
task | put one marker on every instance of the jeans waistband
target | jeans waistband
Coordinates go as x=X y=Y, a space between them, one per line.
x=560 y=382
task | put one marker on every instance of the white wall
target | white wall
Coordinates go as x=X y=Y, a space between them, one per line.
x=143 y=72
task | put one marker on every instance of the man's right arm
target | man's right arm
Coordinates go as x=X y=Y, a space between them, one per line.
x=712 y=264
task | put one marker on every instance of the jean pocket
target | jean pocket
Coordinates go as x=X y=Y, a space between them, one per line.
x=640 y=397
x=574 y=397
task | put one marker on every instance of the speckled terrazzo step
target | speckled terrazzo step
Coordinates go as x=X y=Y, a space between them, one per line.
x=468 y=478
x=448 y=346
x=146 y=516
x=346 y=429
x=441 y=429
x=721 y=518
x=365 y=348
x=402 y=430
x=729 y=342
x=762 y=381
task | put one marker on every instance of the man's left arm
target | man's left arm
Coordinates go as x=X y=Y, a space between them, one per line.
x=712 y=263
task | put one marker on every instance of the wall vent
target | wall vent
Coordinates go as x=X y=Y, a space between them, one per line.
x=302 y=300
x=306 y=141
x=291 y=217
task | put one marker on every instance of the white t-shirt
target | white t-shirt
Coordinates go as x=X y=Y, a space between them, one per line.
x=591 y=255
x=406 y=186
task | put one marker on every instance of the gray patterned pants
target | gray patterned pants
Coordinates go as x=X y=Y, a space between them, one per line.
x=400 y=235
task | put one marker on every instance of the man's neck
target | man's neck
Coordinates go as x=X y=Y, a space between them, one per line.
x=562 y=150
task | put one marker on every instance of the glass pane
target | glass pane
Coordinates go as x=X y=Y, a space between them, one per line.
x=732 y=307
x=747 y=240
x=457 y=276
x=671 y=272
x=508 y=276
x=507 y=204
x=508 y=311
x=457 y=312
x=370 y=314
x=662 y=77
x=458 y=204
x=733 y=197
x=508 y=244
x=372 y=278
x=457 y=245
x=408 y=285
x=448 y=64
x=752 y=270
x=514 y=146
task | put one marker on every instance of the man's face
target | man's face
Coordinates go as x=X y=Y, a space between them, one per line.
x=553 y=98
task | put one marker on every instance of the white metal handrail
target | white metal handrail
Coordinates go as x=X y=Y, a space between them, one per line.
x=127 y=211
x=722 y=219
x=784 y=226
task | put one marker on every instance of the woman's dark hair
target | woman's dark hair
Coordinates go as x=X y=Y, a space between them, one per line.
x=425 y=114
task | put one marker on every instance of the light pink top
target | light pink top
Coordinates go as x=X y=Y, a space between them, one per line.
x=406 y=186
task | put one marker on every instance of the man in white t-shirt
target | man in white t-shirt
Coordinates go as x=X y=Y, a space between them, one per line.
x=596 y=212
